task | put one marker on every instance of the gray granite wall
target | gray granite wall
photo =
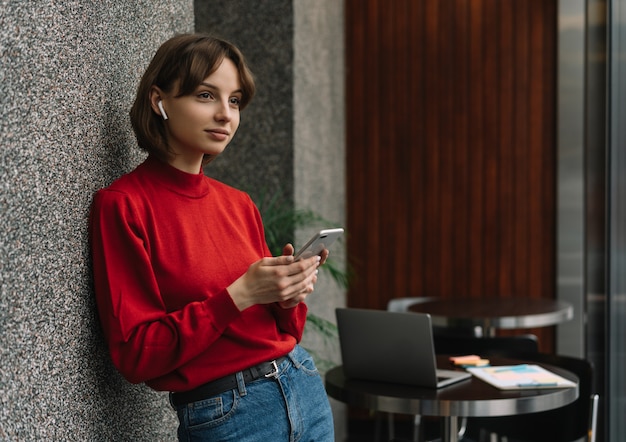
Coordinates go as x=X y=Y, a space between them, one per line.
x=68 y=72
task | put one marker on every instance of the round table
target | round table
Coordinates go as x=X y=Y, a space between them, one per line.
x=495 y=313
x=469 y=398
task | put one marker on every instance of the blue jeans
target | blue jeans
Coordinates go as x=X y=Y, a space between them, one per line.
x=289 y=408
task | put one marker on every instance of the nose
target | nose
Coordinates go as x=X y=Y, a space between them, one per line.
x=224 y=111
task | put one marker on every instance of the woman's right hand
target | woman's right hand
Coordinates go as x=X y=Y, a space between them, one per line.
x=279 y=279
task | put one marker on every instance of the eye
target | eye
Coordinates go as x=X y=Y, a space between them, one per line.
x=235 y=101
x=206 y=96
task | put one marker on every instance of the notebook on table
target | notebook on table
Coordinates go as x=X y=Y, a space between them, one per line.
x=520 y=377
x=384 y=346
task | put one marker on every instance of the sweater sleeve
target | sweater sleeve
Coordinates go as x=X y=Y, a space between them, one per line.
x=145 y=340
x=291 y=320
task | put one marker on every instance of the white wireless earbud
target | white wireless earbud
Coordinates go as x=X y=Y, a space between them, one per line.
x=160 y=106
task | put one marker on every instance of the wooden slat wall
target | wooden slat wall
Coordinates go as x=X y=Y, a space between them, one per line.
x=451 y=122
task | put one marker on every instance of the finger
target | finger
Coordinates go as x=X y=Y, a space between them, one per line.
x=303 y=267
x=299 y=288
x=324 y=256
x=309 y=284
x=277 y=260
x=288 y=250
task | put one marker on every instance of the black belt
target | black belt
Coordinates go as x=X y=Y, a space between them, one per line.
x=213 y=388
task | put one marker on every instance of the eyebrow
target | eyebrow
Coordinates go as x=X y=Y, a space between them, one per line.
x=212 y=86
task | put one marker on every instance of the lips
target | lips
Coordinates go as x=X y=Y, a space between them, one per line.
x=218 y=134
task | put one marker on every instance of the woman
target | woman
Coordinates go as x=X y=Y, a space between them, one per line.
x=189 y=297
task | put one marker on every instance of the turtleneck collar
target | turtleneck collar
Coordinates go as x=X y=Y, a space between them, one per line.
x=187 y=184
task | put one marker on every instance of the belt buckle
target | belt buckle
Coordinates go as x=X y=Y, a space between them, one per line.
x=274 y=373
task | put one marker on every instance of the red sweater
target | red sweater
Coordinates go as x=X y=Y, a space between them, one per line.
x=165 y=246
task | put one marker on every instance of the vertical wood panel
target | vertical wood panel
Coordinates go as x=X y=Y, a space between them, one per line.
x=451 y=149
x=461 y=131
x=416 y=256
x=476 y=278
x=521 y=139
x=506 y=71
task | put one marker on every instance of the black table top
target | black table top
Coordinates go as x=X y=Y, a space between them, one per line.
x=468 y=398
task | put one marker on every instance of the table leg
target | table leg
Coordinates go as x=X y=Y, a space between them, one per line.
x=450 y=429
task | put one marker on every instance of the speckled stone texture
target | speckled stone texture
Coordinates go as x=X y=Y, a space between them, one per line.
x=68 y=73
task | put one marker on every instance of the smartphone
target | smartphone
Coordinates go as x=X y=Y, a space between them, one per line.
x=318 y=242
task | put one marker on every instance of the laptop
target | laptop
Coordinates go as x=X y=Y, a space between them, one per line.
x=384 y=346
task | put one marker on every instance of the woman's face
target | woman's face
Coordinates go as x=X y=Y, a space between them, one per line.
x=205 y=121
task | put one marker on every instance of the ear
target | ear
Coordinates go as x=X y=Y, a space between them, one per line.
x=156 y=95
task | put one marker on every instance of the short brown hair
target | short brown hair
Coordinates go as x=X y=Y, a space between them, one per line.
x=184 y=60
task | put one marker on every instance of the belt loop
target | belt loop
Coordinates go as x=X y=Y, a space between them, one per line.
x=292 y=356
x=241 y=384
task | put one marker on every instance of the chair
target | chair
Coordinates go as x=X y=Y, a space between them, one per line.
x=574 y=422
